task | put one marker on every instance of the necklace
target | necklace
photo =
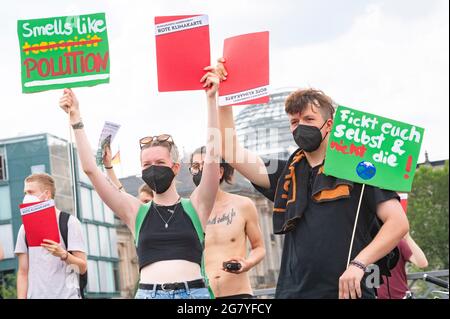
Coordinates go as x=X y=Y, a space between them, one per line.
x=166 y=222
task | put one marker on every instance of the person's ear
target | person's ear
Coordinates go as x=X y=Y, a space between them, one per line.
x=222 y=171
x=176 y=168
x=329 y=125
x=45 y=195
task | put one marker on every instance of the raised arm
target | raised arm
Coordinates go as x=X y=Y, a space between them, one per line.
x=204 y=195
x=107 y=162
x=123 y=205
x=249 y=164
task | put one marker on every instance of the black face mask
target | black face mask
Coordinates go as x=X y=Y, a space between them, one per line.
x=158 y=177
x=308 y=137
x=197 y=178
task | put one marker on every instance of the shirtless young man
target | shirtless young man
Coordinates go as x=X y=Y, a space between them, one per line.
x=234 y=219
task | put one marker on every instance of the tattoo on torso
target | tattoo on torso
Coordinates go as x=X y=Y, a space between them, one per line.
x=225 y=218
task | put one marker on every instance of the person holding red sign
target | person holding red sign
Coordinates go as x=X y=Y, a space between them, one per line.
x=45 y=271
x=316 y=212
x=166 y=231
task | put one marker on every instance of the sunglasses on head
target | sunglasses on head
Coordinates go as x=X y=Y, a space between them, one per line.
x=158 y=138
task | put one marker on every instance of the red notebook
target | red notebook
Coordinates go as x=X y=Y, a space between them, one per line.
x=39 y=220
x=182 y=51
x=247 y=63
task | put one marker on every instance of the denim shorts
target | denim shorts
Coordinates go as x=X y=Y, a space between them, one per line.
x=186 y=293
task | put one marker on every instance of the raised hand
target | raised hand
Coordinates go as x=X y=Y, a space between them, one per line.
x=210 y=82
x=69 y=103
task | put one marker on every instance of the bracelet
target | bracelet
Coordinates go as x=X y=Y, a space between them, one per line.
x=78 y=125
x=65 y=258
x=108 y=167
x=358 y=264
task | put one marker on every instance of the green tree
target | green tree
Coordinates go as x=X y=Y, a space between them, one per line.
x=428 y=214
x=8 y=287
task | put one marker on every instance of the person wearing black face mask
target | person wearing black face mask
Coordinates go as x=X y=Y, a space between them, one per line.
x=168 y=230
x=233 y=220
x=316 y=212
x=158 y=177
x=308 y=137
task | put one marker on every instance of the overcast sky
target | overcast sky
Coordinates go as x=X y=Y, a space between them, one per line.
x=387 y=57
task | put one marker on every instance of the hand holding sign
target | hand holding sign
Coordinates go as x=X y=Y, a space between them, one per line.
x=107 y=135
x=69 y=103
x=53 y=248
x=220 y=69
x=211 y=82
x=107 y=156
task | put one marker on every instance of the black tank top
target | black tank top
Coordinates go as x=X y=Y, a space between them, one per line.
x=178 y=241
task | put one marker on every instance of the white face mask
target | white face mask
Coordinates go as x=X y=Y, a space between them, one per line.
x=30 y=199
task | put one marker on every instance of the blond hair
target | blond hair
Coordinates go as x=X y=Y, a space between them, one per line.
x=45 y=181
x=144 y=188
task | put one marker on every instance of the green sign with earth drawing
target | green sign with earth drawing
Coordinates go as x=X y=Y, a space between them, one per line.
x=373 y=150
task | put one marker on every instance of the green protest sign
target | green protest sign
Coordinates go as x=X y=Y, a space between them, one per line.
x=373 y=150
x=63 y=52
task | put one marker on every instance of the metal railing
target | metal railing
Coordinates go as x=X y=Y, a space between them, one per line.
x=430 y=291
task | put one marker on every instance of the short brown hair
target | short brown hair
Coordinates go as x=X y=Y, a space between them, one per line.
x=144 y=188
x=45 y=180
x=299 y=100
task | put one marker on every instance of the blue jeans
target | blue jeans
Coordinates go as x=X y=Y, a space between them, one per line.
x=186 y=293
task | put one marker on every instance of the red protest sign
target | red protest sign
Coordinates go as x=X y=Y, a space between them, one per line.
x=182 y=51
x=247 y=63
x=39 y=220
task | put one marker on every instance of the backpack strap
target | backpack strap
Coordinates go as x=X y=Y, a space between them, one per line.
x=192 y=213
x=64 y=227
x=142 y=213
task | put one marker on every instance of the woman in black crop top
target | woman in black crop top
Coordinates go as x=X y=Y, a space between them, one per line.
x=168 y=246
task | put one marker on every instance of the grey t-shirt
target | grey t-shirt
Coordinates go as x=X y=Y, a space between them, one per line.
x=48 y=276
